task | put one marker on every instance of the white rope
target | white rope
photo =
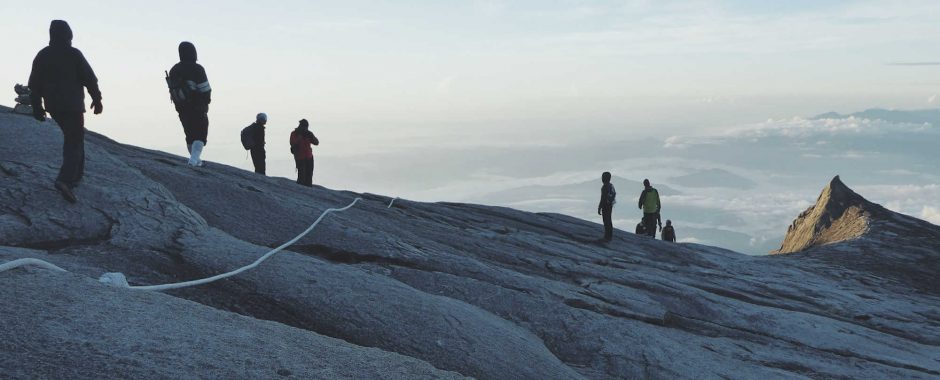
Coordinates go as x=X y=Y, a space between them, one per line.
x=29 y=261
x=118 y=279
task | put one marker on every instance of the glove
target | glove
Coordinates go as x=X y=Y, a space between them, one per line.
x=96 y=105
x=599 y=211
x=39 y=113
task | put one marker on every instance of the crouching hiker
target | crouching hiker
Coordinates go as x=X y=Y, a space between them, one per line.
x=253 y=140
x=669 y=233
x=606 y=206
x=59 y=76
x=300 y=140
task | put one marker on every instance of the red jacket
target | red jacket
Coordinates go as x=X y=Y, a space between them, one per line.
x=300 y=140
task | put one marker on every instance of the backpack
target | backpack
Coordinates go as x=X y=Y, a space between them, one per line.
x=293 y=147
x=248 y=137
x=182 y=92
x=612 y=195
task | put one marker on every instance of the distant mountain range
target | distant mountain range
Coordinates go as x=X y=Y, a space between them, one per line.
x=713 y=178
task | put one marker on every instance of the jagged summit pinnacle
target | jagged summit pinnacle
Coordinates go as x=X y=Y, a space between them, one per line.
x=839 y=214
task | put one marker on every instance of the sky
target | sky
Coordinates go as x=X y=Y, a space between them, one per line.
x=416 y=84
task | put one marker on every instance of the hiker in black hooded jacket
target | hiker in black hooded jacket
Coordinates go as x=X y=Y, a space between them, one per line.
x=58 y=78
x=605 y=207
x=194 y=111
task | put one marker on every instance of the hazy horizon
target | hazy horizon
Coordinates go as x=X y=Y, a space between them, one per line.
x=451 y=102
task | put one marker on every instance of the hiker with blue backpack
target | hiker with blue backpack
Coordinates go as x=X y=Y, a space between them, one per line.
x=606 y=206
x=253 y=141
x=191 y=95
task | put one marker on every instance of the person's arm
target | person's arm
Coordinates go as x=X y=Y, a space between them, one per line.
x=642 y=197
x=202 y=85
x=313 y=139
x=36 y=85
x=90 y=81
x=600 y=205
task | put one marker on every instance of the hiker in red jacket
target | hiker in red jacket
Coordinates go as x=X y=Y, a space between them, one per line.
x=300 y=140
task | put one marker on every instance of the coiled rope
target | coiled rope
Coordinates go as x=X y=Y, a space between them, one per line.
x=119 y=280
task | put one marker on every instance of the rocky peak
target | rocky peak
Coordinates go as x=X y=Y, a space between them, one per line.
x=839 y=214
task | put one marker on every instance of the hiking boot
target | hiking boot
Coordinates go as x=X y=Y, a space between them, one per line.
x=66 y=191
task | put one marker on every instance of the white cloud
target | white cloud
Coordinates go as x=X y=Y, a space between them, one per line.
x=445 y=84
x=692 y=240
x=802 y=128
x=930 y=214
x=914 y=200
x=898 y=172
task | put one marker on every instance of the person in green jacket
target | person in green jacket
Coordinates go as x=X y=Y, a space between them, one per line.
x=649 y=203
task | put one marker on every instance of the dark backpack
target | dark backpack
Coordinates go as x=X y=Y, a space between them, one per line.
x=612 y=195
x=248 y=137
x=182 y=92
x=293 y=147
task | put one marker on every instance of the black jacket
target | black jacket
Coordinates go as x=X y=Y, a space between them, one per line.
x=193 y=73
x=60 y=73
x=257 y=135
x=605 y=196
x=669 y=234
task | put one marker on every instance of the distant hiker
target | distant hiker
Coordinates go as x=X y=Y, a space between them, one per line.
x=669 y=233
x=300 y=140
x=649 y=203
x=606 y=206
x=253 y=140
x=59 y=74
x=191 y=94
x=640 y=230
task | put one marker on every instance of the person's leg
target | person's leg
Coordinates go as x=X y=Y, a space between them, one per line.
x=73 y=136
x=608 y=223
x=298 y=164
x=308 y=172
x=73 y=146
x=200 y=132
x=185 y=120
x=257 y=158
x=649 y=223
x=80 y=150
x=201 y=127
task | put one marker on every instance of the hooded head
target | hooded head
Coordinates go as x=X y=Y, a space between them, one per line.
x=605 y=178
x=668 y=223
x=60 y=34
x=303 y=124
x=187 y=52
x=646 y=183
x=261 y=118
